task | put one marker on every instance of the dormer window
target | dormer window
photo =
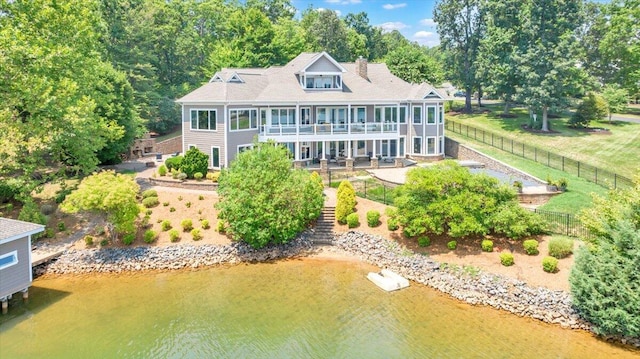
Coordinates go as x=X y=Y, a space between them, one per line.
x=322 y=81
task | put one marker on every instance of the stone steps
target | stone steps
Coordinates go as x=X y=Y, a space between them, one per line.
x=323 y=230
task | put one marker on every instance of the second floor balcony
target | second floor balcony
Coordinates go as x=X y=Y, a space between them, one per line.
x=329 y=129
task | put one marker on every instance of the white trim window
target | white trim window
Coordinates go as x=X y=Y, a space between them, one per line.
x=358 y=114
x=305 y=116
x=333 y=115
x=215 y=156
x=8 y=259
x=441 y=118
x=283 y=116
x=401 y=145
x=361 y=148
x=388 y=113
x=417 y=145
x=323 y=81
x=305 y=150
x=431 y=115
x=243 y=119
x=242 y=148
x=203 y=120
x=431 y=145
x=416 y=116
x=403 y=114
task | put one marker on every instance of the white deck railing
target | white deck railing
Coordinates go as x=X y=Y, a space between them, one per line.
x=329 y=129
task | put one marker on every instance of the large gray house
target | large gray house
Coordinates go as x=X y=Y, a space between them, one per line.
x=15 y=257
x=327 y=114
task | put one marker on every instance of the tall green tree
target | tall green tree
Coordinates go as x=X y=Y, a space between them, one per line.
x=605 y=281
x=413 y=65
x=548 y=61
x=263 y=200
x=326 y=32
x=359 y=22
x=461 y=26
x=51 y=61
x=616 y=99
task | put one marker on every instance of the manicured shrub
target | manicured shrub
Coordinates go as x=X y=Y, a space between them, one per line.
x=560 y=247
x=127 y=239
x=194 y=161
x=61 y=227
x=105 y=242
x=550 y=264
x=166 y=225
x=174 y=235
x=150 y=202
x=506 y=259
x=88 y=240
x=150 y=236
x=515 y=222
x=220 y=226
x=173 y=163
x=172 y=209
x=165 y=204
x=205 y=224
x=197 y=176
x=452 y=245
x=196 y=235
x=487 y=245
x=346 y=201
x=213 y=176
x=424 y=241
x=182 y=176
x=392 y=224
x=179 y=198
x=188 y=204
x=373 y=218
x=187 y=225
x=530 y=247
x=353 y=220
x=162 y=170
x=200 y=197
x=150 y=193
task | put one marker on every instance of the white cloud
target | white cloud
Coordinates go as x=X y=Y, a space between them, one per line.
x=427 y=22
x=390 y=26
x=394 y=6
x=338 y=12
x=343 y=2
x=427 y=38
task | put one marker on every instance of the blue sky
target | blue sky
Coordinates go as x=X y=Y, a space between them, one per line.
x=413 y=18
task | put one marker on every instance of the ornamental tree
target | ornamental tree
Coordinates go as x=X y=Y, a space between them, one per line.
x=263 y=200
x=194 y=161
x=605 y=282
x=109 y=193
x=346 y=201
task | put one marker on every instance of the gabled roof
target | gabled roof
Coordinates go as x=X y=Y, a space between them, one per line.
x=11 y=229
x=323 y=55
x=281 y=85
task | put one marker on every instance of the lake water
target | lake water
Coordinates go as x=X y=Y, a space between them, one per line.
x=310 y=308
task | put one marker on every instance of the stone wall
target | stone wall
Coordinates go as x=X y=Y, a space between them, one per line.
x=204 y=185
x=458 y=151
x=172 y=145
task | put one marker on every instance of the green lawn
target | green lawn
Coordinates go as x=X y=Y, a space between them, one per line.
x=617 y=152
x=578 y=195
x=177 y=132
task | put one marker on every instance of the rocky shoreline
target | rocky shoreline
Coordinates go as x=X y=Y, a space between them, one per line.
x=471 y=286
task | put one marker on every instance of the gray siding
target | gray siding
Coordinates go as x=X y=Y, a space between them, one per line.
x=238 y=138
x=204 y=140
x=322 y=65
x=17 y=277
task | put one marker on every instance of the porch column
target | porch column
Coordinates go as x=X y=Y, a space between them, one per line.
x=296 y=119
x=374 y=154
x=324 y=150
x=349 y=118
x=349 y=149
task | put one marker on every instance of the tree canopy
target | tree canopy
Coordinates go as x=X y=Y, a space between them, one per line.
x=263 y=200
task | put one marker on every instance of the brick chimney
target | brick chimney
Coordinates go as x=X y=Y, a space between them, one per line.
x=361 y=67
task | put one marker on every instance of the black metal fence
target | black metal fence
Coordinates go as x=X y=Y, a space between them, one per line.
x=590 y=173
x=564 y=223
x=364 y=186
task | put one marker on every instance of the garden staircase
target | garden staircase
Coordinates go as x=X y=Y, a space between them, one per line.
x=323 y=231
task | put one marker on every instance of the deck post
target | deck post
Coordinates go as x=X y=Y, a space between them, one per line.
x=25 y=295
x=324 y=165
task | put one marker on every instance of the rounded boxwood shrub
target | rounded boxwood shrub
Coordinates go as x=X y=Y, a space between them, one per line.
x=452 y=245
x=424 y=241
x=530 y=247
x=88 y=240
x=197 y=176
x=506 y=259
x=174 y=235
x=373 y=218
x=195 y=233
x=162 y=170
x=181 y=176
x=213 y=176
x=487 y=245
x=187 y=225
x=353 y=220
x=166 y=225
x=205 y=224
x=550 y=264
x=150 y=236
x=173 y=163
x=392 y=224
x=220 y=226
x=194 y=161
x=560 y=247
x=150 y=202
x=126 y=239
x=150 y=193
x=346 y=201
